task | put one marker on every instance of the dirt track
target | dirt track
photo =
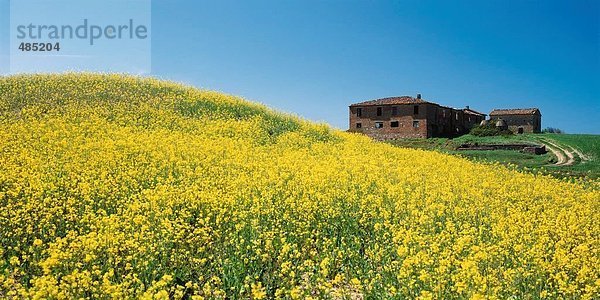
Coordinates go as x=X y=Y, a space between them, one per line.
x=561 y=158
x=565 y=154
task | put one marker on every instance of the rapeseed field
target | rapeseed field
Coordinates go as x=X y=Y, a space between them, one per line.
x=114 y=186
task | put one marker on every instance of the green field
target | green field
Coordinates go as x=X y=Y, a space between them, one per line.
x=584 y=148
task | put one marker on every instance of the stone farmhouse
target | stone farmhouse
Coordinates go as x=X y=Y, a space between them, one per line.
x=410 y=117
x=520 y=120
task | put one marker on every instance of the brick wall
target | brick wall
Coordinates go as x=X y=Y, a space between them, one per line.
x=404 y=116
x=444 y=121
x=433 y=121
x=471 y=121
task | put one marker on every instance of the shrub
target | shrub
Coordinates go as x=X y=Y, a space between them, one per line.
x=489 y=130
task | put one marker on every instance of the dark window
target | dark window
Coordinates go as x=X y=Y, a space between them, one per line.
x=416 y=110
x=416 y=124
x=359 y=112
x=394 y=124
x=378 y=124
x=379 y=111
x=358 y=125
x=394 y=110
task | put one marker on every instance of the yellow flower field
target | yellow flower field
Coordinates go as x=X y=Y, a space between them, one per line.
x=119 y=187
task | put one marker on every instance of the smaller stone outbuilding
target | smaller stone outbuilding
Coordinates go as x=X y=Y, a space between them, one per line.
x=520 y=120
x=501 y=124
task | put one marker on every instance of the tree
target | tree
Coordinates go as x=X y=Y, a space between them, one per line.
x=552 y=130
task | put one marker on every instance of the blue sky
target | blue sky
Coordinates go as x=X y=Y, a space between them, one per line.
x=314 y=58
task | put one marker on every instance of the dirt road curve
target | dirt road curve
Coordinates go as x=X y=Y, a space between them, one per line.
x=565 y=154
x=561 y=158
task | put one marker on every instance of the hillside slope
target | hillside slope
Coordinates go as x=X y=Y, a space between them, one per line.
x=116 y=186
x=569 y=155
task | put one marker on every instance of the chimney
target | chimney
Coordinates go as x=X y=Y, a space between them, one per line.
x=467 y=107
x=418 y=96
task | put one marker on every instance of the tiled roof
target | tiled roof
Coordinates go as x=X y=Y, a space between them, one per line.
x=514 y=111
x=391 y=101
x=473 y=112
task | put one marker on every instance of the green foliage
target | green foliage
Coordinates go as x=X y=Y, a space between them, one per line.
x=552 y=130
x=489 y=130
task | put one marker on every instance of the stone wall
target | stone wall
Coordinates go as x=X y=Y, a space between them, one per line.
x=529 y=123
